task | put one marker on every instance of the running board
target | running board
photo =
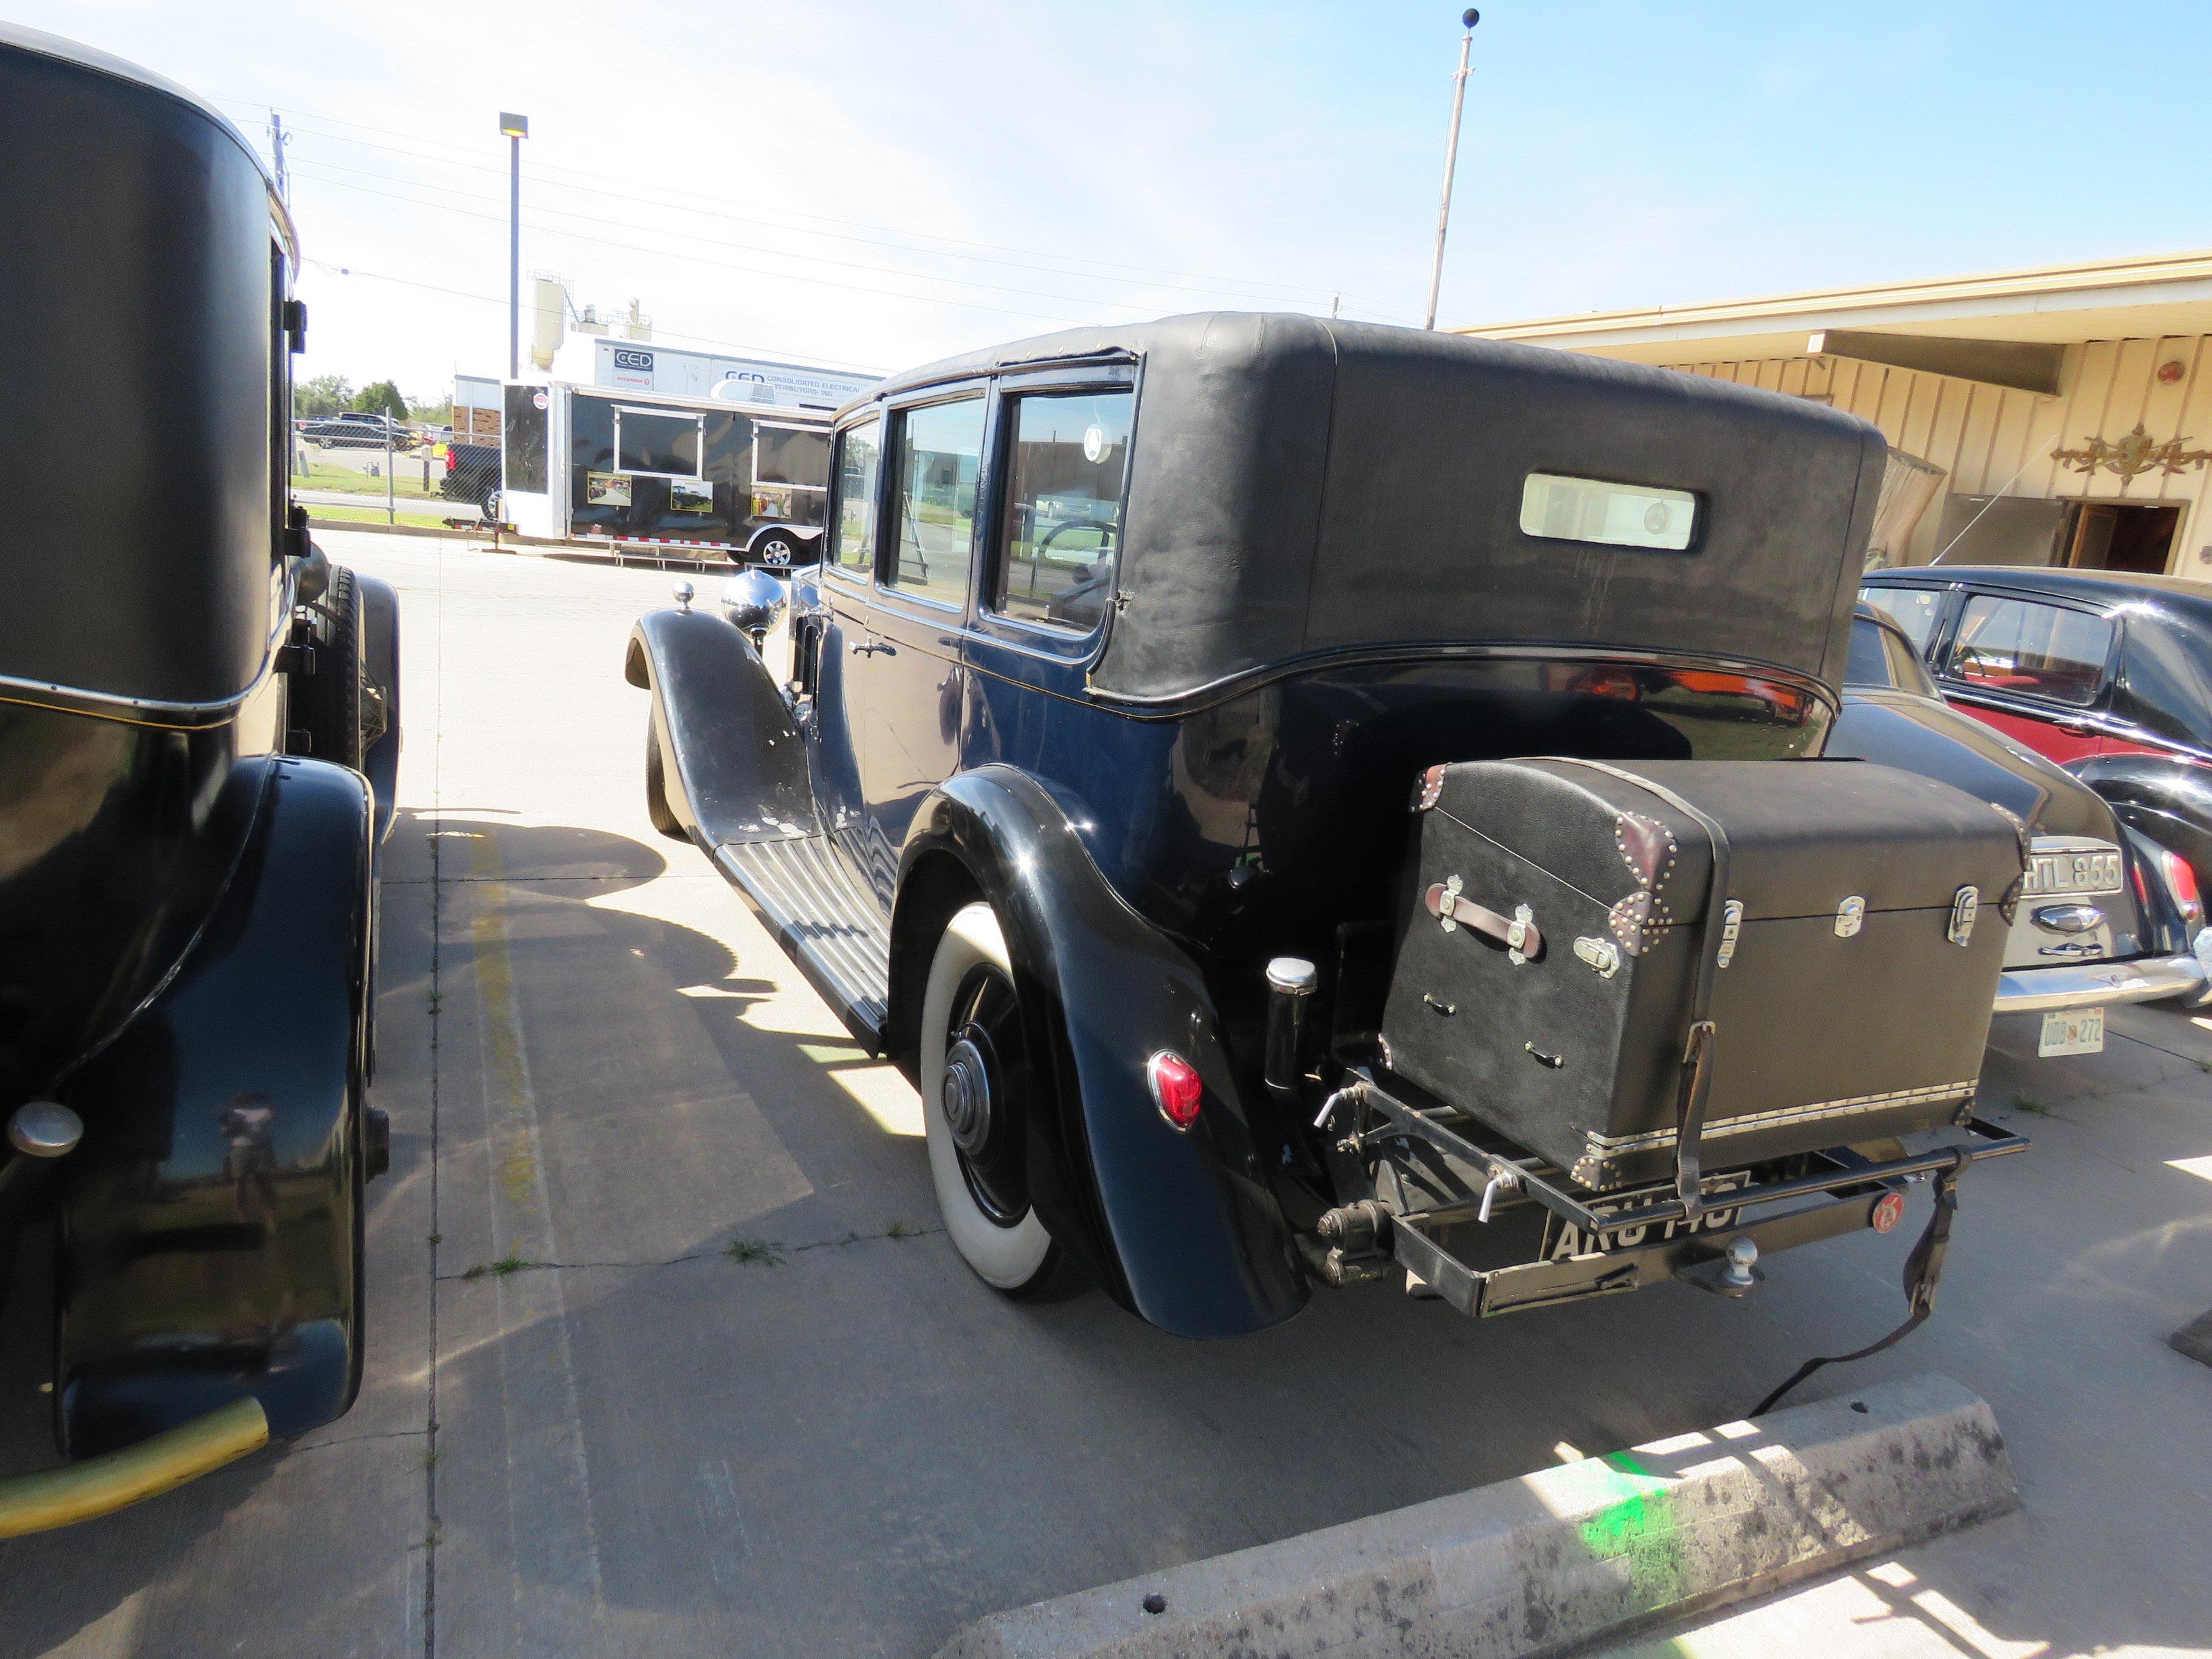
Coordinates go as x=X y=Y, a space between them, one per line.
x=838 y=934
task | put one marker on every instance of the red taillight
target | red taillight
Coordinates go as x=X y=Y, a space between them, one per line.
x=1888 y=1210
x=2182 y=880
x=1176 y=1087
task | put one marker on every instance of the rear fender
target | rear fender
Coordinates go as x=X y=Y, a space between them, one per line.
x=2169 y=801
x=1179 y=1226
x=735 y=762
x=211 y=1238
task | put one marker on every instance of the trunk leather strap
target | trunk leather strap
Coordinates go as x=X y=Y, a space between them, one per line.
x=1699 y=1040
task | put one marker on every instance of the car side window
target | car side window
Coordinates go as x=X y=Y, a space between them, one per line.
x=1063 y=523
x=853 y=537
x=2168 y=675
x=939 y=454
x=1912 y=609
x=2031 y=650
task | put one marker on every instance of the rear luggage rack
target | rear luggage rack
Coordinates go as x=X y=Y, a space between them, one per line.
x=1470 y=1179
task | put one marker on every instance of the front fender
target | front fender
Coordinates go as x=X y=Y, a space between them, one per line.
x=735 y=762
x=1178 y=1226
x=210 y=1245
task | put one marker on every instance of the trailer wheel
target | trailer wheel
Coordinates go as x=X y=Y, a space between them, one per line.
x=779 y=550
x=656 y=787
x=326 y=705
x=976 y=1081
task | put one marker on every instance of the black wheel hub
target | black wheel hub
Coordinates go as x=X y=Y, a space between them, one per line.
x=982 y=1091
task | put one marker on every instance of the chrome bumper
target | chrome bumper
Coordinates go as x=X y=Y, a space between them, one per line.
x=2146 y=979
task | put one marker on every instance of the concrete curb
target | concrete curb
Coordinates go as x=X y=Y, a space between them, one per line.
x=1565 y=1557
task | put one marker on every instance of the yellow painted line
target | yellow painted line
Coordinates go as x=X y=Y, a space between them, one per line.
x=517 y=1158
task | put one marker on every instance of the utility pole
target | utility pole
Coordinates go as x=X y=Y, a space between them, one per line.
x=278 y=137
x=516 y=129
x=1469 y=19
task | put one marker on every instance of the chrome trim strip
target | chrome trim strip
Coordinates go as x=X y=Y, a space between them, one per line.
x=1604 y=1146
x=1167 y=705
x=2146 y=979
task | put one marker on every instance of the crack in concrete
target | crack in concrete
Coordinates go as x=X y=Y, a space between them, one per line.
x=771 y=1251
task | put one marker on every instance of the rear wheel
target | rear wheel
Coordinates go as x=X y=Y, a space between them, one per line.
x=977 y=1085
x=326 y=705
x=779 y=550
x=656 y=787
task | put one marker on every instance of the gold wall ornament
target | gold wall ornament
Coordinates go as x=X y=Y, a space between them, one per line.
x=2133 y=456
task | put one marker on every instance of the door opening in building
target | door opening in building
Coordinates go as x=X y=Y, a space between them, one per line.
x=2117 y=535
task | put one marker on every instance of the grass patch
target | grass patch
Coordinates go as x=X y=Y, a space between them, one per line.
x=898 y=1230
x=501 y=1268
x=352 y=481
x=364 y=515
x=760 y=1250
x=2030 y=1104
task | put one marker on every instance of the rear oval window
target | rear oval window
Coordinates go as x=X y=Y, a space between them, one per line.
x=1560 y=508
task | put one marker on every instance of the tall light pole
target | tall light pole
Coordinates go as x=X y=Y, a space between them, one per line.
x=1469 y=18
x=517 y=128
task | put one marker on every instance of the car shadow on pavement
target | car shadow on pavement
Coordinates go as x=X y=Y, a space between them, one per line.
x=790 y=1420
x=710 y=1378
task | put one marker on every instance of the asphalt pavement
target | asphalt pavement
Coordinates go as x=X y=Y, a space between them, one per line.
x=668 y=1356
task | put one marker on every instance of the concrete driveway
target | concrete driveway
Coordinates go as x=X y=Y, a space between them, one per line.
x=669 y=1358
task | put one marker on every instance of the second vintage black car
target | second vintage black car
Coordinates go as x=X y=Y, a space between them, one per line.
x=1307 y=801
x=200 y=735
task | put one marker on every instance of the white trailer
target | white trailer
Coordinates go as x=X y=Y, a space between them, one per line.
x=628 y=467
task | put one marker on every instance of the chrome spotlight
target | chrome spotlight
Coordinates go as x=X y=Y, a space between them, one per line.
x=755 y=602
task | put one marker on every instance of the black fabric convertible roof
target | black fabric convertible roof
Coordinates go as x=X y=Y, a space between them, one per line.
x=1300 y=487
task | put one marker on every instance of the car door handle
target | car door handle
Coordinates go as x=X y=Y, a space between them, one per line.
x=2078 y=728
x=869 y=648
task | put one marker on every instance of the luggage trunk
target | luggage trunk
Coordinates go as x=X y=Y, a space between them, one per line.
x=1564 y=944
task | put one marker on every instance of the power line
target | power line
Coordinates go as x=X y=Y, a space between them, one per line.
x=500 y=300
x=735 y=218
x=759 y=270
x=630 y=190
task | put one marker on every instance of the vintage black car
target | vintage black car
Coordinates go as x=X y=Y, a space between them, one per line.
x=199 y=734
x=2108 y=673
x=2100 y=921
x=1291 y=792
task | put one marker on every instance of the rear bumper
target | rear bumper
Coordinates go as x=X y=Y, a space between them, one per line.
x=2146 y=979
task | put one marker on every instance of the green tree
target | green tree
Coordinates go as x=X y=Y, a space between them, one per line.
x=326 y=394
x=430 y=412
x=381 y=398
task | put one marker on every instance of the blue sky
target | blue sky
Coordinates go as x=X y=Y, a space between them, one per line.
x=876 y=185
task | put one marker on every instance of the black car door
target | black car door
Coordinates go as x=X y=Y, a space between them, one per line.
x=907 y=725
x=841 y=651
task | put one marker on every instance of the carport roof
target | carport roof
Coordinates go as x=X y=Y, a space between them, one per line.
x=2114 y=298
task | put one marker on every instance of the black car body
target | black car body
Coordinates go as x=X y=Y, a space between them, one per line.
x=199 y=740
x=1084 y=791
x=2098 y=923
x=2108 y=674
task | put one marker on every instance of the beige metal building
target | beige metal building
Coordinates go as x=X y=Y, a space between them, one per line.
x=2060 y=415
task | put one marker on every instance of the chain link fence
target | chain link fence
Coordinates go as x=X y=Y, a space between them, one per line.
x=359 y=467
